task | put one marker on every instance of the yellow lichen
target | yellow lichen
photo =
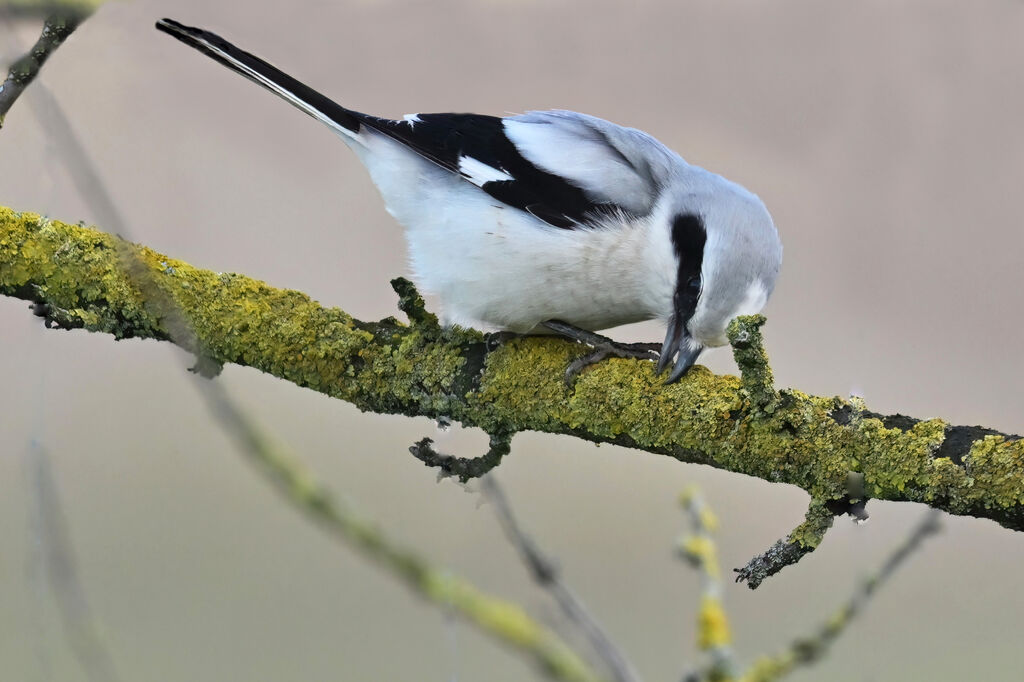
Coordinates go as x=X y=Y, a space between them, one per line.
x=712 y=624
x=82 y=275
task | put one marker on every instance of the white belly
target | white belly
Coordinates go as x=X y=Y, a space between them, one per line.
x=496 y=266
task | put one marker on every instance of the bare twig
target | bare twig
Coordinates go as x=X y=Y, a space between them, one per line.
x=546 y=573
x=713 y=624
x=504 y=621
x=61 y=568
x=56 y=28
x=807 y=650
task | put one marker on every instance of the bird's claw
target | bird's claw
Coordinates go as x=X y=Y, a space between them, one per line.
x=494 y=340
x=603 y=348
x=638 y=351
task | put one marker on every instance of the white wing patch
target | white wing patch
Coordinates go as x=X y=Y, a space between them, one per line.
x=588 y=157
x=412 y=119
x=479 y=173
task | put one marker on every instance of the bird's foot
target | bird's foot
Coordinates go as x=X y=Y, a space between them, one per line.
x=494 y=340
x=603 y=346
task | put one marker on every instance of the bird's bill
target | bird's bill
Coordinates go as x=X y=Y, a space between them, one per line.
x=680 y=346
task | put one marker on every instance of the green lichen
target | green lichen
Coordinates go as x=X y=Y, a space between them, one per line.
x=748 y=348
x=412 y=304
x=801 y=541
x=900 y=465
x=84 y=278
x=809 y=534
x=96 y=280
x=895 y=459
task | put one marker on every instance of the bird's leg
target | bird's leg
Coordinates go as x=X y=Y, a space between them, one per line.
x=603 y=348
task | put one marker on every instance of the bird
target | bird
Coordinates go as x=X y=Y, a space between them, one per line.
x=552 y=221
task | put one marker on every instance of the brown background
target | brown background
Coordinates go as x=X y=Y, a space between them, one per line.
x=885 y=138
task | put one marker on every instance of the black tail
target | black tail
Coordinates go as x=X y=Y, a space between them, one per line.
x=260 y=72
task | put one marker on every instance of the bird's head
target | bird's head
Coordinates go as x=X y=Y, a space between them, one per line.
x=727 y=254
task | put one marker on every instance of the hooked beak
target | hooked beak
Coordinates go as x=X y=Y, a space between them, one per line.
x=678 y=341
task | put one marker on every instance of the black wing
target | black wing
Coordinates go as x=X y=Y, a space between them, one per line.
x=449 y=140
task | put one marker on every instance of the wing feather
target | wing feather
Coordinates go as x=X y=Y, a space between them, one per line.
x=612 y=164
x=593 y=174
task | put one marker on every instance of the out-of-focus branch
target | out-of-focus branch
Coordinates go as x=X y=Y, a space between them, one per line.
x=44 y=8
x=502 y=620
x=713 y=632
x=546 y=573
x=807 y=650
x=60 y=565
x=56 y=28
x=713 y=625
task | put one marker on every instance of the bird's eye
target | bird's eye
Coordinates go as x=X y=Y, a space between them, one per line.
x=694 y=285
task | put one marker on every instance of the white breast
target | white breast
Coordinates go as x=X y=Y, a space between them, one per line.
x=499 y=267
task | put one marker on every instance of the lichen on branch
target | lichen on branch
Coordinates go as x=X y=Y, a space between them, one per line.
x=74 y=277
x=803 y=540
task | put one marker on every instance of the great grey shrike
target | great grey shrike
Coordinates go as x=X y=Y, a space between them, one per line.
x=552 y=219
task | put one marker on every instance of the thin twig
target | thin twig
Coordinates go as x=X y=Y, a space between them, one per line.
x=505 y=621
x=713 y=632
x=807 y=650
x=546 y=573
x=61 y=568
x=801 y=541
x=464 y=468
x=806 y=537
x=56 y=28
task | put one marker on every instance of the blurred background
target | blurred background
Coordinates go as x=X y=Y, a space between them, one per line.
x=885 y=138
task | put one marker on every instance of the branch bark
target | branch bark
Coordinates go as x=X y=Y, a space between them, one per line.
x=73 y=277
x=57 y=27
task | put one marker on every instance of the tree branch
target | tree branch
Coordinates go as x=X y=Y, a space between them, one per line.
x=713 y=623
x=807 y=650
x=43 y=8
x=504 y=621
x=58 y=561
x=74 y=278
x=56 y=28
x=464 y=468
x=713 y=631
x=547 y=574
x=804 y=539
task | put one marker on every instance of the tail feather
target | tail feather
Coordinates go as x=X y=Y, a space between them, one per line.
x=268 y=76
